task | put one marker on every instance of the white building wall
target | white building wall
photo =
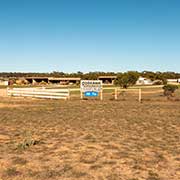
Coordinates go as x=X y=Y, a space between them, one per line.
x=173 y=81
x=144 y=81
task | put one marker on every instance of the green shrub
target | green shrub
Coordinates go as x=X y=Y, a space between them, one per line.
x=27 y=143
x=10 y=172
x=169 y=90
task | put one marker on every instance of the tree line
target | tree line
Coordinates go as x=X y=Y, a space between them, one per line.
x=94 y=75
x=89 y=75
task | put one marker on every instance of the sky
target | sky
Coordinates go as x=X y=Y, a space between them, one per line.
x=89 y=35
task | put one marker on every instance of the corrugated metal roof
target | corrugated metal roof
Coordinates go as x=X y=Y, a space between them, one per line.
x=65 y=79
x=110 y=77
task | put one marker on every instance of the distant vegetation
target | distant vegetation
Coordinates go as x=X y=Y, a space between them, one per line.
x=93 y=75
x=90 y=75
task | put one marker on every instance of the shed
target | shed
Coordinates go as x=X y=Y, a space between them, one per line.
x=107 y=80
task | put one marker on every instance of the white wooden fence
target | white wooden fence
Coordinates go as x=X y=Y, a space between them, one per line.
x=39 y=93
x=139 y=92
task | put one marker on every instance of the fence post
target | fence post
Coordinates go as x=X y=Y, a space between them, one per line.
x=101 y=95
x=116 y=94
x=69 y=94
x=81 y=94
x=140 y=95
x=7 y=91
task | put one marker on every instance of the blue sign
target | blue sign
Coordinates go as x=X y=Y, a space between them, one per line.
x=91 y=94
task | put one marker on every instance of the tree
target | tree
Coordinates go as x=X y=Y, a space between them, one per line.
x=149 y=75
x=57 y=74
x=127 y=79
x=169 y=90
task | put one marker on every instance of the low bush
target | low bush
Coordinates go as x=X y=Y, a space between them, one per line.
x=169 y=90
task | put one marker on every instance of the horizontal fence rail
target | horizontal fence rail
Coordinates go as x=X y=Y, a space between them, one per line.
x=137 y=92
x=39 y=93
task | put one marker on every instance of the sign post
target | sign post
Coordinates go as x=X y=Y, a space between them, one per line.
x=81 y=95
x=91 y=88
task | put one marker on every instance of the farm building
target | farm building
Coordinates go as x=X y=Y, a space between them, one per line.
x=64 y=80
x=173 y=81
x=107 y=80
x=52 y=80
x=144 y=81
x=36 y=80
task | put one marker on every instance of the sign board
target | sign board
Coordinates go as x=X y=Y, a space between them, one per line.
x=91 y=86
x=91 y=94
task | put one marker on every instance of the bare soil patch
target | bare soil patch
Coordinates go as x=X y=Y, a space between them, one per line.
x=3 y=92
x=8 y=105
x=108 y=140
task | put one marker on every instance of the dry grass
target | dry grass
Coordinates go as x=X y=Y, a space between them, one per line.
x=109 y=140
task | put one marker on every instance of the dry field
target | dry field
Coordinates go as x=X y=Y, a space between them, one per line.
x=93 y=140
